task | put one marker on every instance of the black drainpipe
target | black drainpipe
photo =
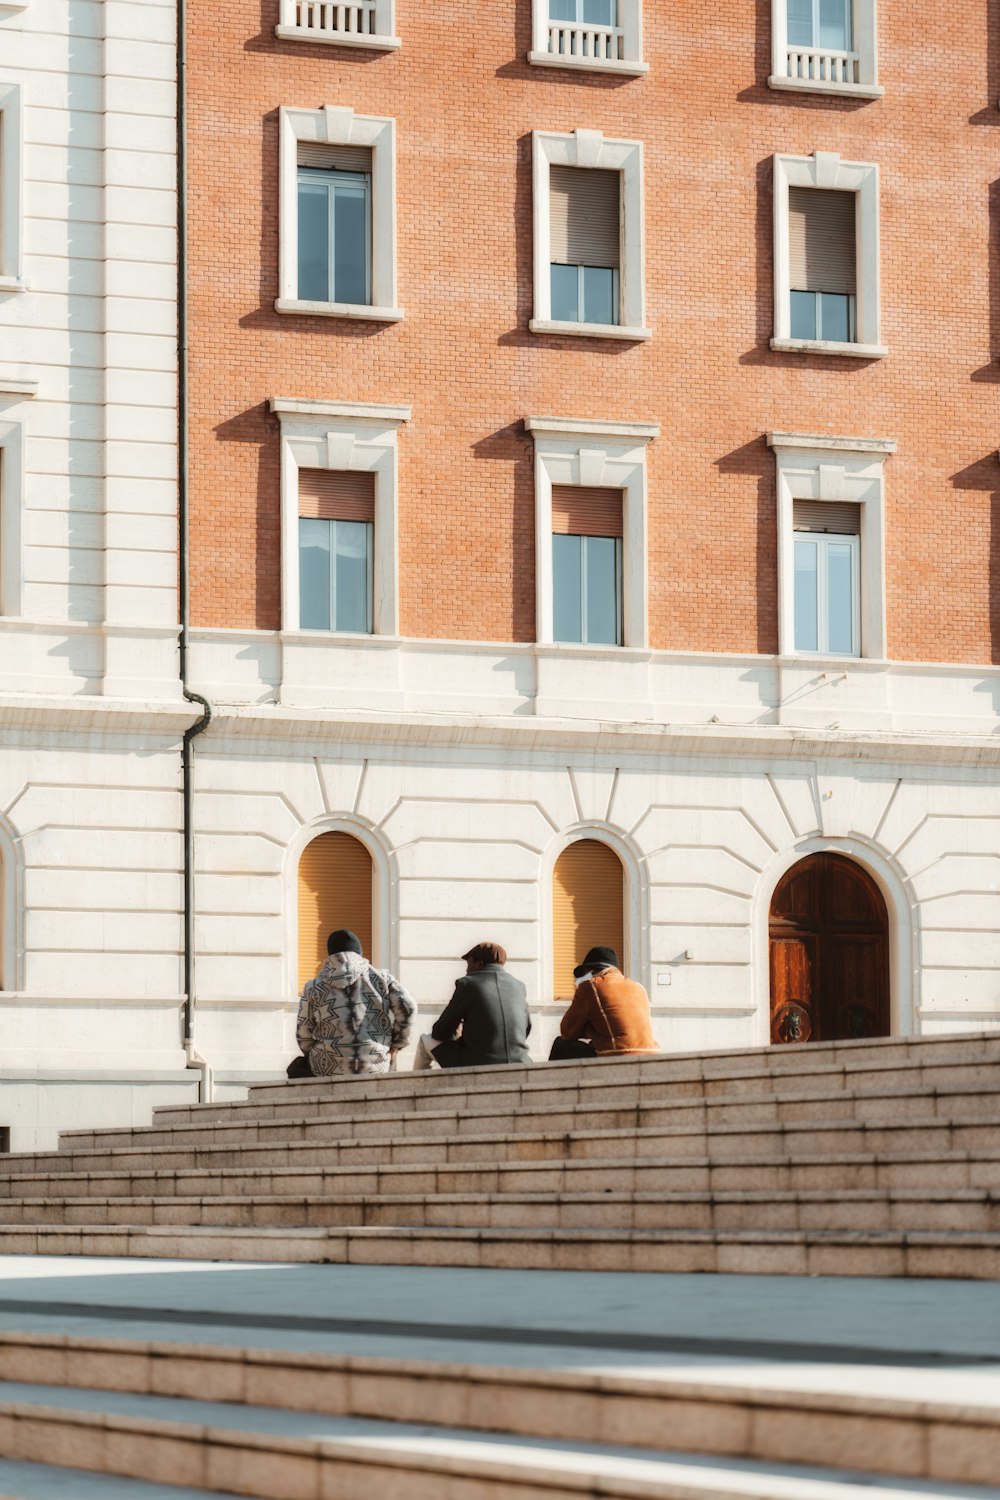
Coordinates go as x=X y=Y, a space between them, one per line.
x=187 y=757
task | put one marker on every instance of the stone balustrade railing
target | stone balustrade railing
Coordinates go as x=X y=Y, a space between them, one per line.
x=598 y=43
x=328 y=19
x=823 y=65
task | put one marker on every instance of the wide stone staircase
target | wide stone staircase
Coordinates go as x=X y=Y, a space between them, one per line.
x=467 y=1373
x=872 y=1158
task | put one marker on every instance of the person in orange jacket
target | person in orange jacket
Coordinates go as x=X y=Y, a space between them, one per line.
x=608 y=1015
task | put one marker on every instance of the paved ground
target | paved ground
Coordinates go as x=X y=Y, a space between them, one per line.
x=911 y=1337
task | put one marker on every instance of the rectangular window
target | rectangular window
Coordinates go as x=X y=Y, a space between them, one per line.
x=827 y=577
x=587 y=565
x=334 y=229
x=820 y=23
x=336 y=533
x=584 y=12
x=822 y=245
x=585 y=244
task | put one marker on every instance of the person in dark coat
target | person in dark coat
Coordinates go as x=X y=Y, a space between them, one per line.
x=485 y=1021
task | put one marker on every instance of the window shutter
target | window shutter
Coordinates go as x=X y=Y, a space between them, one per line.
x=822 y=240
x=842 y=518
x=334 y=158
x=582 y=511
x=336 y=495
x=588 y=908
x=585 y=217
x=335 y=890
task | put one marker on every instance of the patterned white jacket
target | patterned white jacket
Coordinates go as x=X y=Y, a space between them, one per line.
x=351 y=1016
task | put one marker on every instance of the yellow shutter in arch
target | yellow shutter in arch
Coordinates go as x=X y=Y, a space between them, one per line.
x=335 y=890
x=588 y=908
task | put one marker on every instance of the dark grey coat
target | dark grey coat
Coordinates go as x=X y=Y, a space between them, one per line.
x=492 y=1009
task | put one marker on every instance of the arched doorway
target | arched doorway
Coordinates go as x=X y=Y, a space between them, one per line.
x=588 y=908
x=335 y=890
x=829 y=953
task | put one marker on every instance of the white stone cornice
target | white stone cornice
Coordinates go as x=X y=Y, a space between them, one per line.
x=880 y=446
x=574 y=427
x=352 y=411
x=16 y=385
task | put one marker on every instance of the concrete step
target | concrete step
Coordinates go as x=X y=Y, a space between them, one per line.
x=784 y=1414
x=808 y=1171
x=973 y=1257
x=483 y=1090
x=777 y=1140
x=286 y=1455
x=969 y=1211
x=24 y=1481
x=965 y=1103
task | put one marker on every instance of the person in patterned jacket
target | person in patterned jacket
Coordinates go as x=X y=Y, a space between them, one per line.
x=352 y=1018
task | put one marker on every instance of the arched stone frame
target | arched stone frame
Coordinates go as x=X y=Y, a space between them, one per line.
x=902 y=909
x=11 y=910
x=635 y=906
x=385 y=881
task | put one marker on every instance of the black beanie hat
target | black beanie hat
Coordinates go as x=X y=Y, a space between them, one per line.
x=344 y=941
x=596 y=958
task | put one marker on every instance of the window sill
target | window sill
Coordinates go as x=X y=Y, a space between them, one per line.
x=339 y=310
x=13 y=284
x=334 y=38
x=824 y=346
x=624 y=67
x=815 y=86
x=590 y=330
x=14 y=386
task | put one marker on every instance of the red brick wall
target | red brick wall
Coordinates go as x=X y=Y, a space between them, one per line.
x=465 y=103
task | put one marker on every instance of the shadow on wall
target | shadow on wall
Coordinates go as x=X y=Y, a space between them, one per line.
x=984 y=475
x=513 y=447
x=756 y=460
x=990 y=112
x=989 y=373
x=256 y=426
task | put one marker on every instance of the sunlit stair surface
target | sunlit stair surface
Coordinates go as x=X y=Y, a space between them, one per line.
x=872 y=1158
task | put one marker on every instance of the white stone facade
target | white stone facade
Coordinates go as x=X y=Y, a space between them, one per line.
x=90 y=702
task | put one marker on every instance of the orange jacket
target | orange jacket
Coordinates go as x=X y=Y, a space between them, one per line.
x=613 y=1012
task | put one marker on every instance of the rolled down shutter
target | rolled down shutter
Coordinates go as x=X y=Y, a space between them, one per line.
x=579 y=510
x=822 y=240
x=842 y=518
x=588 y=908
x=336 y=495
x=334 y=158
x=335 y=890
x=585 y=217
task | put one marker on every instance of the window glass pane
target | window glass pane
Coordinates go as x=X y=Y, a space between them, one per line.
x=352 y=572
x=598 y=295
x=350 y=244
x=834 y=24
x=567 y=593
x=601 y=559
x=565 y=294
x=562 y=10
x=314 y=574
x=800 y=23
x=806 y=595
x=599 y=12
x=835 y=316
x=804 y=315
x=314 y=242
x=840 y=596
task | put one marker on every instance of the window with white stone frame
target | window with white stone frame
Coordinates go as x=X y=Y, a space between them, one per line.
x=11 y=506
x=831 y=544
x=603 y=457
x=589 y=259
x=360 y=23
x=11 y=189
x=825 y=47
x=597 y=35
x=826 y=256
x=337 y=215
x=339 y=484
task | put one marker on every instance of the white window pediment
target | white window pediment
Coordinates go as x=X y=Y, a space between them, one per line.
x=830 y=49
x=361 y=23
x=562 y=36
x=839 y=471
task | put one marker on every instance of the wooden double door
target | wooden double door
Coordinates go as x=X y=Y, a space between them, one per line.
x=829 y=953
